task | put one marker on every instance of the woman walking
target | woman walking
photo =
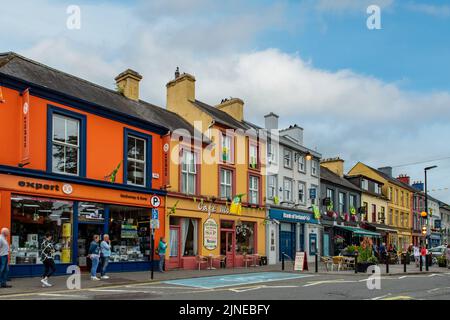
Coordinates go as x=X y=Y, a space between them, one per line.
x=94 y=255
x=105 y=253
x=47 y=259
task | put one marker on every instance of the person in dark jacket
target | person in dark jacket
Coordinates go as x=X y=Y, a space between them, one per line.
x=94 y=255
x=47 y=251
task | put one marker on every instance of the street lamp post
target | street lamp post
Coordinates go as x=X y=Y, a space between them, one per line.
x=426 y=206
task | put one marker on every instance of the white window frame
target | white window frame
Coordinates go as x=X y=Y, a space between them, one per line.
x=227 y=142
x=301 y=163
x=225 y=185
x=65 y=144
x=253 y=153
x=302 y=185
x=341 y=203
x=287 y=152
x=253 y=190
x=365 y=184
x=272 y=153
x=138 y=160
x=287 y=191
x=274 y=179
x=314 y=168
x=187 y=171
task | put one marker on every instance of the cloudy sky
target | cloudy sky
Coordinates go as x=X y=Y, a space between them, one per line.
x=377 y=96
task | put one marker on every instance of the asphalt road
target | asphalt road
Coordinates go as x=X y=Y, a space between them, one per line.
x=321 y=287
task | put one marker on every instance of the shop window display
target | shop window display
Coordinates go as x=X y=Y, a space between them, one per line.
x=129 y=231
x=245 y=238
x=32 y=218
x=91 y=212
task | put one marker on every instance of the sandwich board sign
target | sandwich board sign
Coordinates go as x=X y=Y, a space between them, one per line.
x=301 y=262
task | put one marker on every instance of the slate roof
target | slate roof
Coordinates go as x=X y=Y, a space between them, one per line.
x=393 y=180
x=222 y=117
x=25 y=69
x=330 y=176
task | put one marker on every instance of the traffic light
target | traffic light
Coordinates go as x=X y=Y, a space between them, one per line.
x=424 y=230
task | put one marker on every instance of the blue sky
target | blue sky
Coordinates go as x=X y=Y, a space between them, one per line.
x=377 y=96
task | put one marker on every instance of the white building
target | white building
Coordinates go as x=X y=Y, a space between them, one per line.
x=293 y=189
x=435 y=222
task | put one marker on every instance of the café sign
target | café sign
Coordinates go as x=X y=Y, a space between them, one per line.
x=210 y=234
x=213 y=208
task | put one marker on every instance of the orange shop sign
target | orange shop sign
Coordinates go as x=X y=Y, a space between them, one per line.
x=71 y=191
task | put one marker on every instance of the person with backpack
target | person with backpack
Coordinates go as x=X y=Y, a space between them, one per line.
x=47 y=251
x=94 y=255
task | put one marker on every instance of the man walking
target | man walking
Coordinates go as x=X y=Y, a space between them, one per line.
x=94 y=255
x=162 y=253
x=4 y=253
x=105 y=253
x=47 y=259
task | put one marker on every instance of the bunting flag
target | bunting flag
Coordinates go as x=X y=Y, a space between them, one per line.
x=353 y=211
x=330 y=206
x=276 y=200
x=113 y=175
x=316 y=211
x=173 y=210
x=236 y=204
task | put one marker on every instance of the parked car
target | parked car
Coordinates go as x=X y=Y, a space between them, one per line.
x=437 y=252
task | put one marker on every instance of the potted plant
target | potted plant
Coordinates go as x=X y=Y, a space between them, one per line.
x=442 y=261
x=365 y=256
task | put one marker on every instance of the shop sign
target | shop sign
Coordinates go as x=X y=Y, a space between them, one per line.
x=210 y=234
x=301 y=262
x=38 y=186
x=129 y=231
x=212 y=208
x=284 y=215
x=155 y=202
x=67 y=189
x=25 y=128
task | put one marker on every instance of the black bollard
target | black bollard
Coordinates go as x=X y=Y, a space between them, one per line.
x=356 y=262
x=426 y=262
x=421 y=263
x=282 y=261
x=317 y=263
x=387 y=262
x=404 y=262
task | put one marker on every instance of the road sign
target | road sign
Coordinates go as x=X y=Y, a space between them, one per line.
x=154 y=224
x=155 y=214
x=155 y=201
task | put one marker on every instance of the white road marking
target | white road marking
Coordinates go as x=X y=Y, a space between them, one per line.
x=328 y=281
x=243 y=289
x=381 y=297
x=117 y=290
x=61 y=295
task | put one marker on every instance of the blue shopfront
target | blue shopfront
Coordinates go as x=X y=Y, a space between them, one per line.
x=297 y=231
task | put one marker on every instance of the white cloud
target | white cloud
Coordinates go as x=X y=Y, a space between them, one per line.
x=344 y=113
x=349 y=5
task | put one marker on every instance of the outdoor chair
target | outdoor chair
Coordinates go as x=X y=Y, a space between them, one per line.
x=201 y=260
x=222 y=261
x=337 y=261
x=248 y=258
x=327 y=261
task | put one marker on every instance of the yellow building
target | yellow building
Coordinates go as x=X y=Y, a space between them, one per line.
x=204 y=175
x=399 y=209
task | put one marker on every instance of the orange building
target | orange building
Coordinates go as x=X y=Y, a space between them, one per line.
x=77 y=159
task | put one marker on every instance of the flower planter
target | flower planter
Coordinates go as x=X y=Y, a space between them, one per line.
x=362 y=266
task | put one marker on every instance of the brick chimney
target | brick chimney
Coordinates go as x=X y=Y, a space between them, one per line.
x=234 y=107
x=128 y=84
x=404 y=178
x=334 y=164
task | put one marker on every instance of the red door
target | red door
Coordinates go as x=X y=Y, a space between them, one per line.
x=227 y=247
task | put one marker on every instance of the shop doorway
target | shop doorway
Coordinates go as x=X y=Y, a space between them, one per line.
x=174 y=242
x=227 y=247
x=287 y=240
x=85 y=235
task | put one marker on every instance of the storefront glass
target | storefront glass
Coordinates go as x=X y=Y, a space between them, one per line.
x=245 y=238
x=129 y=231
x=32 y=218
x=189 y=236
x=91 y=212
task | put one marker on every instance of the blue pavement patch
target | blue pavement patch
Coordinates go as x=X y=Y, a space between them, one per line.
x=235 y=279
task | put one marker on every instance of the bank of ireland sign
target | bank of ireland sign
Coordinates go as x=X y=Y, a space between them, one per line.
x=210 y=234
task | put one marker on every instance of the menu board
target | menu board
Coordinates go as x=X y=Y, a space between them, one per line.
x=210 y=234
x=301 y=262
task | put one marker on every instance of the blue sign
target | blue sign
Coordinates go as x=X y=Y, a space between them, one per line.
x=154 y=214
x=312 y=193
x=292 y=216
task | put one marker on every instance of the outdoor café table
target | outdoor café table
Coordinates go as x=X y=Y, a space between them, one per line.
x=210 y=262
x=349 y=262
x=255 y=260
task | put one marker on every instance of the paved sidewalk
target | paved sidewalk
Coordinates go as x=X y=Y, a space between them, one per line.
x=33 y=285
